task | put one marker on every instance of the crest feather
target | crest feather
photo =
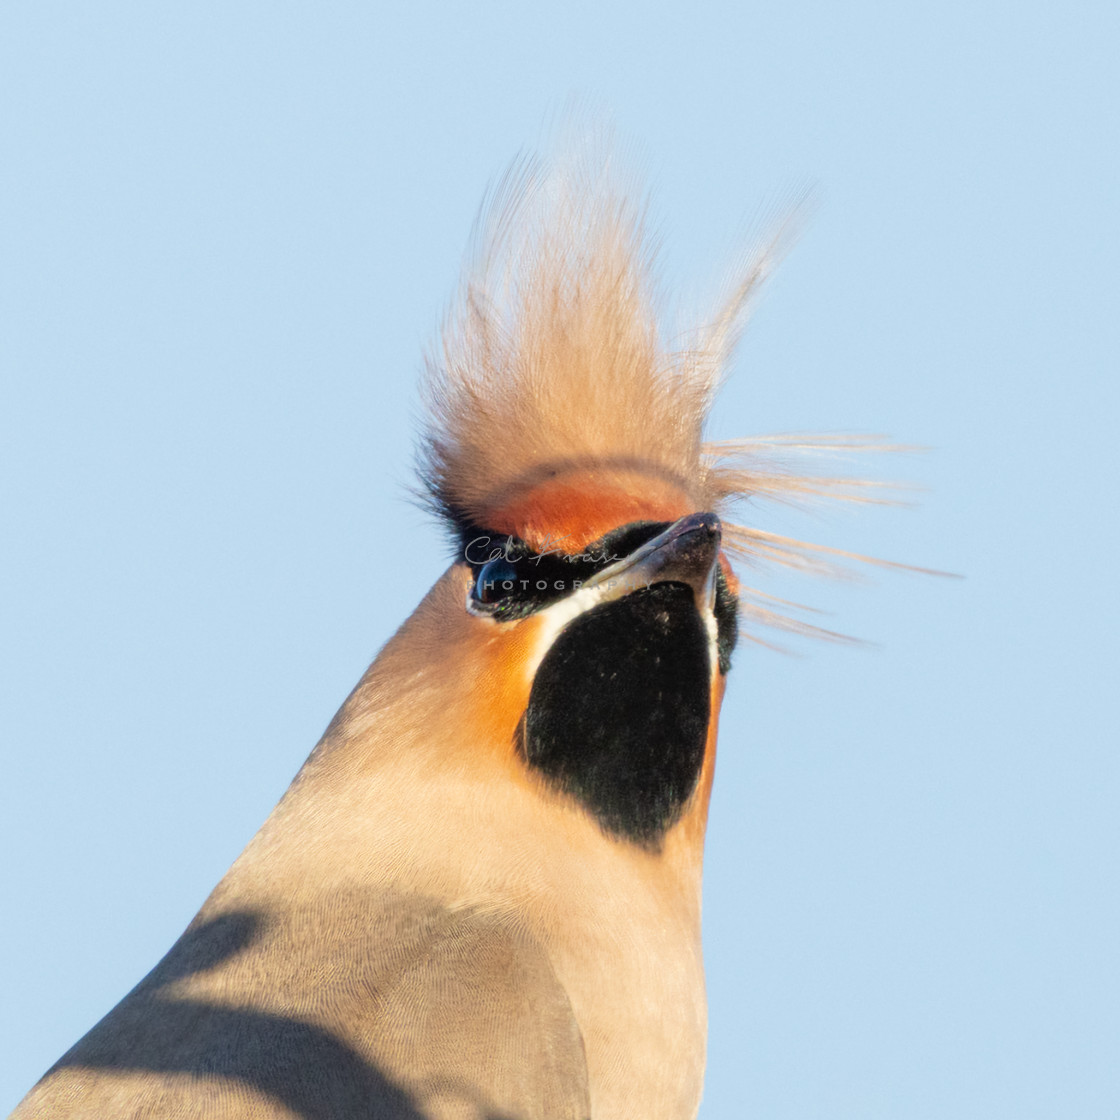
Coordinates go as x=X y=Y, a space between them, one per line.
x=551 y=356
x=552 y=359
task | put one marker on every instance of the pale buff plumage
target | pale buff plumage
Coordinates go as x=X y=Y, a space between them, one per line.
x=424 y=928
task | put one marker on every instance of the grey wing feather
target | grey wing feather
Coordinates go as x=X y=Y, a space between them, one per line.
x=358 y=1008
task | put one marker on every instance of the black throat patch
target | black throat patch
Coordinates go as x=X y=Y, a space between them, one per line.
x=619 y=710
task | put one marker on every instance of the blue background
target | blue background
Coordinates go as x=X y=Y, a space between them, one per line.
x=226 y=231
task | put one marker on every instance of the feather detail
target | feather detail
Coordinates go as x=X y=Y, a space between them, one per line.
x=551 y=372
x=550 y=358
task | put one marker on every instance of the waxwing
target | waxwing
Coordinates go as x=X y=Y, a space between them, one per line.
x=480 y=897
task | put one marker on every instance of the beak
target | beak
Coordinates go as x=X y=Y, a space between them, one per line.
x=685 y=553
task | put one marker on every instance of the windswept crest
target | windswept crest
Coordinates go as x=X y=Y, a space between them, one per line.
x=553 y=359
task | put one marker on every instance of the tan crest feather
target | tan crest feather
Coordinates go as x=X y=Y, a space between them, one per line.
x=552 y=356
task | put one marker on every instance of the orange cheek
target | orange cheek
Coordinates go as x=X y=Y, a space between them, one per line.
x=502 y=686
x=695 y=820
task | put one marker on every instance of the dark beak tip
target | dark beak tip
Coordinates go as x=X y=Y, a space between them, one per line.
x=706 y=524
x=691 y=546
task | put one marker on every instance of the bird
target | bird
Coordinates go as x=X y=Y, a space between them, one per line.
x=480 y=897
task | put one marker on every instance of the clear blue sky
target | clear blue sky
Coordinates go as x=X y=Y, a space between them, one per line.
x=226 y=231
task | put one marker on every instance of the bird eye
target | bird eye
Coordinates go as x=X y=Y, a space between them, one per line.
x=496 y=580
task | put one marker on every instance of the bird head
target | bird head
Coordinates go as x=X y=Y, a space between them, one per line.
x=588 y=621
